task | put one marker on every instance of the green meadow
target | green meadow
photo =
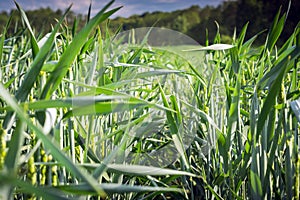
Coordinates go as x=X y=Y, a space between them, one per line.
x=90 y=114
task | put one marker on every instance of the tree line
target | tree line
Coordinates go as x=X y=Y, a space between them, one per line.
x=200 y=23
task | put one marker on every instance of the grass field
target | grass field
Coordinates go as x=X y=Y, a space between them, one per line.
x=89 y=114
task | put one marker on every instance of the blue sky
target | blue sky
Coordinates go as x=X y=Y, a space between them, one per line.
x=129 y=6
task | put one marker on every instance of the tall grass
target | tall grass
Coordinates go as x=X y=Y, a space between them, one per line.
x=86 y=115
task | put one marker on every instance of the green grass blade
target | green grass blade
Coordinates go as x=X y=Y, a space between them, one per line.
x=275 y=30
x=67 y=102
x=89 y=12
x=110 y=90
x=35 y=68
x=235 y=104
x=274 y=146
x=246 y=47
x=34 y=45
x=140 y=49
x=295 y=105
x=139 y=170
x=112 y=188
x=104 y=108
x=2 y=39
x=38 y=63
x=255 y=185
x=72 y=51
x=234 y=112
x=289 y=42
x=158 y=72
x=74 y=27
x=47 y=141
x=214 y=47
x=204 y=116
x=234 y=55
x=216 y=195
x=242 y=36
x=270 y=101
x=269 y=77
x=177 y=139
x=27 y=188
x=255 y=181
x=103 y=166
x=14 y=148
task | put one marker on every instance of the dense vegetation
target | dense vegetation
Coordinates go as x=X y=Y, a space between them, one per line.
x=89 y=114
x=193 y=21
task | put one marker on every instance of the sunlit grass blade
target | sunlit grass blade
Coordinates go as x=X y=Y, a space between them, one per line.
x=110 y=90
x=295 y=105
x=156 y=73
x=233 y=120
x=139 y=170
x=139 y=50
x=270 y=101
x=104 y=108
x=269 y=77
x=72 y=51
x=74 y=102
x=2 y=38
x=215 y=47
x=272 y=151
x=112 y=188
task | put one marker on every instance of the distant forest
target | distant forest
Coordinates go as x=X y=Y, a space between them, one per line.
x=197 y=22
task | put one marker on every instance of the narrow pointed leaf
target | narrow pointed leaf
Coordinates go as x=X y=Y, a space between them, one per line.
x=35 y=68
x=72 y=51
x=215 y=47
x=27 y=188
x=34 y=45
x=48 y=142
x=139 y=170
x=14 y=149
x=113 y=188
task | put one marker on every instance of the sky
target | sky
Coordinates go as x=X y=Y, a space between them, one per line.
x=130 y=7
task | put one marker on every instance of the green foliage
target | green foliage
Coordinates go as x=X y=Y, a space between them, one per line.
x=73 y=111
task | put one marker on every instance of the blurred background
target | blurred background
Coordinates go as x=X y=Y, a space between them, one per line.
x=199 y=19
